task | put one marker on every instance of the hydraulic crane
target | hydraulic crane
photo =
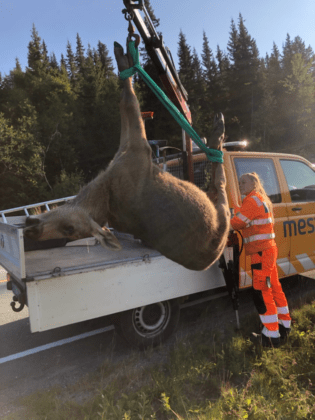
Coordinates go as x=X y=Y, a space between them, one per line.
x=162 y=59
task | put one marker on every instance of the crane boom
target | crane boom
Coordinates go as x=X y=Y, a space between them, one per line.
x=162 y=59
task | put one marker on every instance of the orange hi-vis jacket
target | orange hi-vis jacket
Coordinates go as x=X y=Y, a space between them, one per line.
x=255 y=220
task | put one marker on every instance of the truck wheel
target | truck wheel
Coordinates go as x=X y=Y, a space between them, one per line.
x=148 y=326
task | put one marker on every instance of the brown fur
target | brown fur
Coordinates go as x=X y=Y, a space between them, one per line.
x=135 y=196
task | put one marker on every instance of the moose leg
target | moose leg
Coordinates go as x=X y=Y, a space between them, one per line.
x=217 y=190
x=222 y=208
x=132 y=125
x=215 y=142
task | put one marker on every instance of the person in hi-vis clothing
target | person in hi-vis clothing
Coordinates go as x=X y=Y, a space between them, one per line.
x=255 y=219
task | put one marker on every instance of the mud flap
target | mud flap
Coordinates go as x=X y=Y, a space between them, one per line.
x=231 y=282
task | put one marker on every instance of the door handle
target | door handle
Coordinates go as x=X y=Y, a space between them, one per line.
x=296 y=208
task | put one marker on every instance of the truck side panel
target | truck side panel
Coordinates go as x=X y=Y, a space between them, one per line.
x=12 y=250
x=60 y=301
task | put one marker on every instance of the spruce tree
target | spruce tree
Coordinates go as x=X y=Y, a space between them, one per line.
x=17 y=65
x=79 y=56
x=63 y=63
x=53 y=63
x=243 y=86
x=106 y=60
x=209 y=101
x=35 y=56
x=71 y=64
x=45 y=55
x=208 y=62
x=287 y=54
x=196 y=96
x=223 y=70
x=185 y=58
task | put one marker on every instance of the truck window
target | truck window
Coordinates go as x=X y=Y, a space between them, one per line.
x=265 y=168
x=300 y=179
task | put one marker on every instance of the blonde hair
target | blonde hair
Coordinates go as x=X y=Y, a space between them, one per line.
x=258 y=187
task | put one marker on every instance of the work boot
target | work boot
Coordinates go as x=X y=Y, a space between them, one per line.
x=284 y=332
x=264 y=341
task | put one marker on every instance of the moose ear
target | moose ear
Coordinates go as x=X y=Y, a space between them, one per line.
x=106 y=238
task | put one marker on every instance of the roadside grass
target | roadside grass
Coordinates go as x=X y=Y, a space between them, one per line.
x=206 y=376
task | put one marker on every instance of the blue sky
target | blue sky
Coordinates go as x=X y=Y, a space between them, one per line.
x=58 y=21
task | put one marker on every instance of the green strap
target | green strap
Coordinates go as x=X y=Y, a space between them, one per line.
x=212 y=154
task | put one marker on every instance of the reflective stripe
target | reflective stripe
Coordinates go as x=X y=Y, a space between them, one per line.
x=306 y=261
x=283 y=310
x=286 y=324
x=286 y=266
x=261 y=221
x=243 y=218
x=268 y=333
x=261 y=237
x=261 y=203
x=258 y=201
x=268 y=319
x=245 y=278
x=250 y=222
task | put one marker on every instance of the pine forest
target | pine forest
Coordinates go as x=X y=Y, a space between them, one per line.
x=60 y=122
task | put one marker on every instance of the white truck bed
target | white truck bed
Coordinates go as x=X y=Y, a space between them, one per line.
x=82 y=281
x=84 y=255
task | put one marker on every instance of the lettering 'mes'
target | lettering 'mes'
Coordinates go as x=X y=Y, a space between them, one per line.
x=289 y=223
x=290 y=227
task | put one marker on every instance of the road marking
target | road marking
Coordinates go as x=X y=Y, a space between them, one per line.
x=55 y=344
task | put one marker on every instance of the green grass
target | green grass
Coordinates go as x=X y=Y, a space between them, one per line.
x=205 y=376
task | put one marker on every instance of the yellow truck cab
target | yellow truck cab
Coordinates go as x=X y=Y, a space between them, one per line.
x=289 y=181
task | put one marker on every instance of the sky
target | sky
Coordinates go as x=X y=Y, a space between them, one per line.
x=59 y=21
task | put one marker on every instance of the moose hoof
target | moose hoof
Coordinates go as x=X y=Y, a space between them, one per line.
x=217 y=135
x=124 y=61
x=121 y=58
x=218 y=124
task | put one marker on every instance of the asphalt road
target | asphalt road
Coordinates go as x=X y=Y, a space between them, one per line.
x=68 y=363
x=56 y=366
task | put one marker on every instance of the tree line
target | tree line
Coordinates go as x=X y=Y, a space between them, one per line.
x=60 y=122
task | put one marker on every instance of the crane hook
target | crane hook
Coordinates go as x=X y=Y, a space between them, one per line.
x=131 y=29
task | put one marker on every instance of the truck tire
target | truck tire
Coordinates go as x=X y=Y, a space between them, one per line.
x=148 y=326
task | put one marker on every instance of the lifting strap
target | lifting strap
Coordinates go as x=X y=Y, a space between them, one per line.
x=212 y=154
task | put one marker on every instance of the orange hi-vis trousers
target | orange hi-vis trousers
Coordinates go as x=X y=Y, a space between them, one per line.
x=268 y=295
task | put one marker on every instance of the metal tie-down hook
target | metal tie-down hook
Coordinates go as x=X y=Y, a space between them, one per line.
x=14 y=308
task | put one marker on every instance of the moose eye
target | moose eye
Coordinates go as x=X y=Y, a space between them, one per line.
x=31 y=221
x=68 y=230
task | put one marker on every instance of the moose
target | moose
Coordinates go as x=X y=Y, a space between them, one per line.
x=133 y=195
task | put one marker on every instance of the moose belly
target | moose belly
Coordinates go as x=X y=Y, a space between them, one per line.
x=181 y=223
